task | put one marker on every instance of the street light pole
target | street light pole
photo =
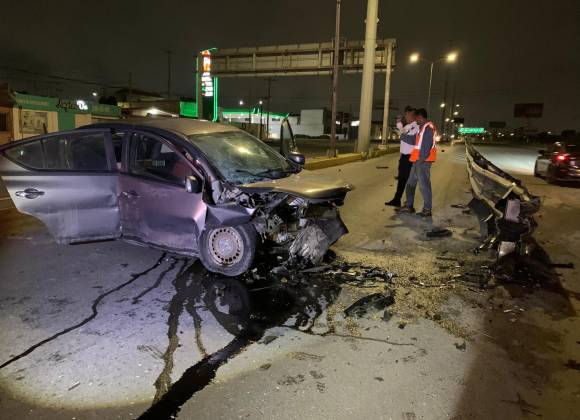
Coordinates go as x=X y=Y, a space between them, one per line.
x=335 y=81
x=450 y=58
x=388 y=70
x=430 y=84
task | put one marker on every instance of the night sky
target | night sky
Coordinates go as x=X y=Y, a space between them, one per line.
x=510 y=51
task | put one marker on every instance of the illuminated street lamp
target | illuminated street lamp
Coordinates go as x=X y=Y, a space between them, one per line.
x=442 y=105
x=449 y=58
x=241 y=102
x=95 y=94
x=456 y=113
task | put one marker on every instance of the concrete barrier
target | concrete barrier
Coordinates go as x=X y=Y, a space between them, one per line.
x=321 y=163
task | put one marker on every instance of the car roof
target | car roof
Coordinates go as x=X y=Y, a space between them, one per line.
x=186 y=126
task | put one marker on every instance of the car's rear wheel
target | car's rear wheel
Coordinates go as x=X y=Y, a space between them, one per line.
x=228 y=250
x=550 y=176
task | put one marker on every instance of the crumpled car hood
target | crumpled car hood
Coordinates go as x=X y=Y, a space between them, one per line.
x=303 y=184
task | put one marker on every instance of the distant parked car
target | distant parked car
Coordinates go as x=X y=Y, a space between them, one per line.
x=188 y=186
x=560 y=162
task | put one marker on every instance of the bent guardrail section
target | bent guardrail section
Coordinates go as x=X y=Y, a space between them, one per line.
x=504 y=207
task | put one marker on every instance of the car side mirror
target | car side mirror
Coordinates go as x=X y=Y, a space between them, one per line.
x=192 y=184
x=297 y=158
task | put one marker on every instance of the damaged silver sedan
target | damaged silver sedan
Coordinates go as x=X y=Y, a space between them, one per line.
x=188 y=186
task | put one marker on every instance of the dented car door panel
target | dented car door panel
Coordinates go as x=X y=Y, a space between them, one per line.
x=75 y=204
x=156 y=208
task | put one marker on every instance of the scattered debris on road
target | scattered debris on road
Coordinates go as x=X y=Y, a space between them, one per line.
x=373 y=302
x=439 y=233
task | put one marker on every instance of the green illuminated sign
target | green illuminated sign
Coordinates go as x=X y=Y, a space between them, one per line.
x=471 y=130
x=188 y=109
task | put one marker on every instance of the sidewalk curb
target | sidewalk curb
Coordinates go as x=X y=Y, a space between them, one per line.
x=321 y=163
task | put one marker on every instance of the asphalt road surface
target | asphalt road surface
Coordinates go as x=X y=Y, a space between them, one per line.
x=111 y=330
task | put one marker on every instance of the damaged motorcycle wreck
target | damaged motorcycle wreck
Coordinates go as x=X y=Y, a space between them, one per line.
x=296 y=219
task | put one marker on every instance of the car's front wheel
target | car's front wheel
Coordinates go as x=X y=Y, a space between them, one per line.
x=228 y=250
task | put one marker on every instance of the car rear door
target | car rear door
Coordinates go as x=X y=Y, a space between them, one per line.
x=66 y=180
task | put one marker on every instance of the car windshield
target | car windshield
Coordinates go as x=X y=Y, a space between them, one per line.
x=241 y=158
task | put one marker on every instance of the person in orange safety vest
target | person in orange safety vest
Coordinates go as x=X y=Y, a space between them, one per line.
x=423 y=155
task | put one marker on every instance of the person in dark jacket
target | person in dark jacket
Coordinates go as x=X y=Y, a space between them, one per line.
x=407 y=134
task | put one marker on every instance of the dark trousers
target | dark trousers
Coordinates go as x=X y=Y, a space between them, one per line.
x=404 y=171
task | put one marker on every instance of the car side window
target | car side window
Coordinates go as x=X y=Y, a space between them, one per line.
x=72 y=151
x=154 y=159
x=29 y=155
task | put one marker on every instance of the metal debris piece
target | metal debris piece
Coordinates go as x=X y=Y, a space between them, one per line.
x=562 y=265
x=373 y=302
x=311 y=243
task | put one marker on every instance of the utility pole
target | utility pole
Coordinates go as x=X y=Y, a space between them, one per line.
x=366 y=100
x=430 y=84
x=169 y=54
x=335 y=81
x=388 y=70
x=270 y=80
x=249 y=108
x=442 y=127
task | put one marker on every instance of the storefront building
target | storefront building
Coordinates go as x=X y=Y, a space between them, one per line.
x=23 y=115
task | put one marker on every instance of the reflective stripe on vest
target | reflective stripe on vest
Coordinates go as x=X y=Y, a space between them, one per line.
x=419 y=141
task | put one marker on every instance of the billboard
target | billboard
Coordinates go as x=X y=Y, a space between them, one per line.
x=528 y=110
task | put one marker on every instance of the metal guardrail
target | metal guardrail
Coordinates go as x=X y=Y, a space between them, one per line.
x=505 y=207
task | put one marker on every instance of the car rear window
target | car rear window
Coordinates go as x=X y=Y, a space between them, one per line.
x=29 y=155
x=64 y=152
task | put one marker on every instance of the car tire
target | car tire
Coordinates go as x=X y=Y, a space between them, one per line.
x=228 y=250
x=536 y=173
x=550 y=178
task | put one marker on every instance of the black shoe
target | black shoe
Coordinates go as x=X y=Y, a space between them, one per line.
x=425 y=213
x=405 y=210
x=393 y=203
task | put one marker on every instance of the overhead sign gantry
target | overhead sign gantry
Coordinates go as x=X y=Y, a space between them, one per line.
x=315 y=59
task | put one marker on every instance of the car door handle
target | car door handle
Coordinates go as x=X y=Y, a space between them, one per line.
x=29 y=193
x=130 y=194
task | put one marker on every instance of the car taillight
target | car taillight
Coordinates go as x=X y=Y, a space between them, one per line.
x=562 y=157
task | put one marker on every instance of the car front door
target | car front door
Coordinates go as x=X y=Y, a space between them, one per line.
x=287 y=141
x=156 y=206
x=66 y=180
